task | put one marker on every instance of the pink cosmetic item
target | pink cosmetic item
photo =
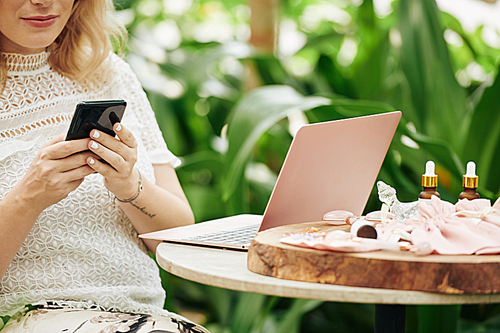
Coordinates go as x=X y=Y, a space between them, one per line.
x=339 y=217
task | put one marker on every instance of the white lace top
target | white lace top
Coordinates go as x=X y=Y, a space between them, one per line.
x=82 y=251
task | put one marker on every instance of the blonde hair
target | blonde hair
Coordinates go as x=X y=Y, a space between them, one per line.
x=90 y=34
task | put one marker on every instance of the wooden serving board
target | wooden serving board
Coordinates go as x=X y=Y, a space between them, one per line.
x=461 y=274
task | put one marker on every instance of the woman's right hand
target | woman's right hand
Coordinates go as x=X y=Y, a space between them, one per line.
x=57 y=169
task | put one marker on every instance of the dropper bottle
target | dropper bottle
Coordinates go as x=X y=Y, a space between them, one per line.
x=429 y=182
x=469 y=183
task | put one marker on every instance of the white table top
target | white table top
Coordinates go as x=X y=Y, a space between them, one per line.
x=228 y=269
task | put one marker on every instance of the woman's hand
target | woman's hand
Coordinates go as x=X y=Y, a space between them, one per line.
x=160 y=205
x=57 y=169
x=118 y=159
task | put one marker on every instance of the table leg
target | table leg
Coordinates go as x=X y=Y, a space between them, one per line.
x=390 y=318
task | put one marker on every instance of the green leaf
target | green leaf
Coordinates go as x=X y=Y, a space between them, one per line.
x=207 y=159
x=221 y=301
x=369 y=66
x=248 y=309
x=341 y=107
x=252 y=116
x=327 y=70
x=438 y=318
x=483 y=139
x=291 y=321
x=167 y=121
x=366 y=15
x=205 y=202
x=394 y=174
x=200 y=174
x=197 y=67
x=316 y=42
x=441 y=151
x=440 y=100
x=270 y=69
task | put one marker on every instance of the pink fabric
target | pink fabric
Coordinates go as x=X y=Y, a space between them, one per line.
x=385 y=232
x=468 y=227
x=496 y=205
x=447 y=233
x=339 y=241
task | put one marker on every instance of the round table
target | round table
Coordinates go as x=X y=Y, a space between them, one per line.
x=228 y=269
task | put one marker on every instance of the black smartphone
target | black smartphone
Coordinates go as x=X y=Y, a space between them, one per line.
x=100 y=115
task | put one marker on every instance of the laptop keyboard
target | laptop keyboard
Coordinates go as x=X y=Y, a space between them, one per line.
x=237 y=236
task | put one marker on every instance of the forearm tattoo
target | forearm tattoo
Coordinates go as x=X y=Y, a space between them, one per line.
x=142 y=209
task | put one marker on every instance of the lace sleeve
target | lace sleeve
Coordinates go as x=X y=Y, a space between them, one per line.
x=139 y=106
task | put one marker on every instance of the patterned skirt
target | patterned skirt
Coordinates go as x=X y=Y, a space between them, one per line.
x=56 y=319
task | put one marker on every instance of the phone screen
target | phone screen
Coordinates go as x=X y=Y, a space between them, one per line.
x=100 y=115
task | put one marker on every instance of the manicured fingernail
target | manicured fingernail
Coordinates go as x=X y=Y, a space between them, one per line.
x=96 y=134
x=94 y=145
x=118 y=128
x=91 y=161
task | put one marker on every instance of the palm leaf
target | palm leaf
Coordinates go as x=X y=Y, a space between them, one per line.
x=436 y=94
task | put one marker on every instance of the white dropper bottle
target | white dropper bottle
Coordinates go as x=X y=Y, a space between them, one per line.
x=429 y=182
x=470 y=181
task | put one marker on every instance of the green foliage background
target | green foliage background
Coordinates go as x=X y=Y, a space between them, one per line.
x=195 y=64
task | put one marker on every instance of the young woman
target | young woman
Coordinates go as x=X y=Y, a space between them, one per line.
x=71 y=211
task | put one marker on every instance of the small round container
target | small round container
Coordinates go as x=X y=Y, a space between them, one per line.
x=364 y=229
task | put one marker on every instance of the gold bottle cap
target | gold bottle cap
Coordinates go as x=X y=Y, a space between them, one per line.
x=470 y=182
x=470 y=179
x=429 y=179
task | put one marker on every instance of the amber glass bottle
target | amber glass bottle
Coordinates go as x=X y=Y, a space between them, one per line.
x=429 y=182
x=470 y=181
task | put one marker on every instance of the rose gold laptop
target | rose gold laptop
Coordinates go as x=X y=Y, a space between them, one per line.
x=329 y=166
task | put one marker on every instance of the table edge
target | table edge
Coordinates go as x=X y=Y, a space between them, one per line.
x=298 y=289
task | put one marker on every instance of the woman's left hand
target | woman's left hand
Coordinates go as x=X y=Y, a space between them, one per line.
x=120 y=155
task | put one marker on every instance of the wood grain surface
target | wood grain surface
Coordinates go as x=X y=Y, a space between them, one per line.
x=461 y=274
